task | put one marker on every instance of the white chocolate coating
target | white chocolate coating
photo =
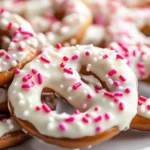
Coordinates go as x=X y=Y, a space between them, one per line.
x=23 y=38
x=101 y=110
x=8 y=125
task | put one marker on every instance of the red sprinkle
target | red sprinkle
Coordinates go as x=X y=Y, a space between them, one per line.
x=140 y=64
x=70 y=119
x=58 y=46
x=17 y=71
x=148 y=107
x=34 y=71
x=105 y=56
x=108 y=94
x=87 y=53
x=26 y=86
x=98 y=129
x=121 y=106
x=40 y=78
x=87 y=115
x=38 y=108
x=10 y=25
x=62 y=65
x=7 y=56
x=118 y=94
x=62 y=127
x=142 y=98
x=99 y=118
x=89 y=96
x=107 y=117
x=116 y=83
x=76 y=112
x=2 y=52
x=45 y=59
x=127 y=90
x=76 y=86
x=46 y=108
x=112 y=72
x=2 y=10
x=116 y=100
x=118 y=56
x=68 y=71
x=85 y=120
x=75 y=57
x=139 y=103
x=123 y=46
x=65 y=58
x=142 y=71
x=122 y=78
x=20 y=48
x=96 y=108
x=26 y=78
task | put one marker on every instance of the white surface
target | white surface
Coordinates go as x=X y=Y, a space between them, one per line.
x=129 y=140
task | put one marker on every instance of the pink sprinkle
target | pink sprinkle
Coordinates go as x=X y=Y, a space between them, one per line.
x=112 y=72
x=62 y=126
x=105 y=56
x=122 y=78
x=70 y=119
x=76 y=112
x=134 y=53
x=118 y=94
x=139 y=103
x=45 y=59
x=34 y=71
x=140 y=64
x=7 y=56
x=116 y=100
x=96 y=108
x=87 y=53
x=87 y=115
x=127 y=90
x=26 y=32
x=142 y=98
x=108 y=94
x=89 y=96
x=123 y=46
x=65 y=58
x=84 y=106
x=76 y=86
x=98 y=129
x=38 y=108
x=21 y=48
x=2 y=53
x=85 y=120
x=68 y=71
x=2 y=10
x=46 y=108
x=17 y=71
x=99 y=118
x=26 y=78
x=118 y=56
x=62 y=65
x=75 y=57
x=142 y=71
x=58 y=46
x=107 y=117
x=116 y=83
x=148 y=107
x=26 y=86
x=15 y=40
x=40 y=78
x=10 y=25
x=121 y=106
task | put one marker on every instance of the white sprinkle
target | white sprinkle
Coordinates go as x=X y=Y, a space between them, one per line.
x=110 y=81
x=14 y=63
x=11 y=126
x=69 y=89
x=8 y=121
x=14 y=92
x=142 y=108
x=112 y=104
x=69 y=98
x=14 y=55
x=85 y=92
x=62 y=86
x=21 y=102
x=106 y=76
x=66 y=44
x=50 y=126
x=90 y=146
x=76 y=149
x=4 y=23
x=26 y=113
x=33 y=42
x=73 y=41
x=53 y=65
x=95 y=59
x=51 y=119
x=88 y=68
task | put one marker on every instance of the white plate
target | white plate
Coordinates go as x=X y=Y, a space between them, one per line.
x=129 y=140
